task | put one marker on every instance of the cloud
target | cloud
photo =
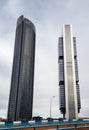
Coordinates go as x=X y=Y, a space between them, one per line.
x=48 y=17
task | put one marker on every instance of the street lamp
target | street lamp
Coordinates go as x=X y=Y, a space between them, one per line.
x=51 y=104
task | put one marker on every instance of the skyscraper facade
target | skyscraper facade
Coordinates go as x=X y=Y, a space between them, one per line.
x=68 y=75
x=22 y=81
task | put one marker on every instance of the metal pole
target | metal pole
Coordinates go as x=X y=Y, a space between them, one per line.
x=51 y=104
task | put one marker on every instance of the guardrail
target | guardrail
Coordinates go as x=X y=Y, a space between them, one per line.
x=41 y=123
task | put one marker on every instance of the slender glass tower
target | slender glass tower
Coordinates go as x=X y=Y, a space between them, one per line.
x=68 y=75
x=21 y=92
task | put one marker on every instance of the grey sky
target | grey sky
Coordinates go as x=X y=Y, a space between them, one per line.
x=48 y=17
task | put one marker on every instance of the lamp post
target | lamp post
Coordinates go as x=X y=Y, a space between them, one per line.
x=51 y=104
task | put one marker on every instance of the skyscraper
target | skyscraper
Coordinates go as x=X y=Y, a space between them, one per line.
x=22 y=81
x=68 y=75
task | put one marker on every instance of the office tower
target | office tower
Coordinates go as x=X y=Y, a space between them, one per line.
x=22 y=81
x=68 y=75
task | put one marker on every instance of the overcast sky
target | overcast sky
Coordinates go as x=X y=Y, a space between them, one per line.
x=48 y=17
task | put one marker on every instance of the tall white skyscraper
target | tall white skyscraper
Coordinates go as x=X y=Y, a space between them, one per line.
x=68 y=75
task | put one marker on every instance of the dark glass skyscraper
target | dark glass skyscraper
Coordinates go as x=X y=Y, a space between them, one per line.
x=68 y=75
x=22 y=81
